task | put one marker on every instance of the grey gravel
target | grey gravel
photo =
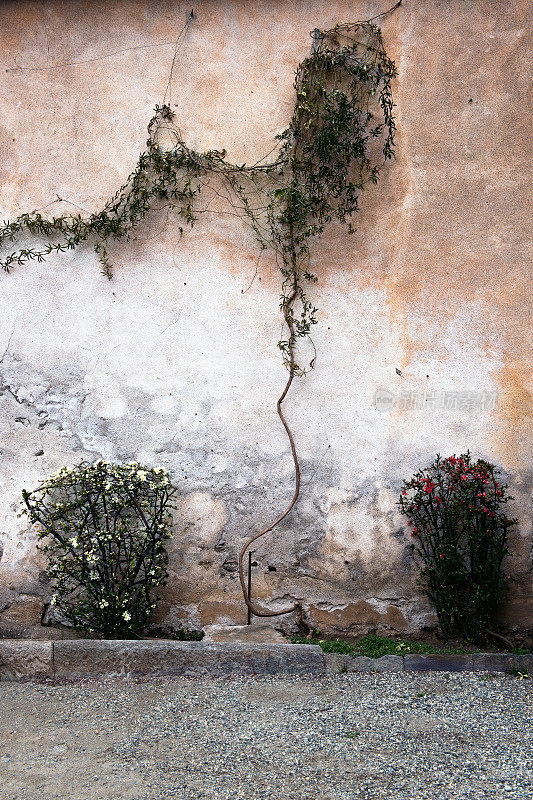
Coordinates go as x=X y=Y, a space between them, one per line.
x=338 y=737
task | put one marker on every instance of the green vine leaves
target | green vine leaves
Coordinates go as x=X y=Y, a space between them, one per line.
x=339 y=137
x=320 y=165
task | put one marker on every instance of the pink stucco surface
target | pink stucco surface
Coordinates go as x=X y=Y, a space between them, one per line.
x=174 y=362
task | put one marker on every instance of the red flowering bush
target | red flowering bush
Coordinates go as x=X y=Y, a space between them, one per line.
x=459 y=541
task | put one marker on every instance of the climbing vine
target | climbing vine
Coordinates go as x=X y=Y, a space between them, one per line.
x=339 y=137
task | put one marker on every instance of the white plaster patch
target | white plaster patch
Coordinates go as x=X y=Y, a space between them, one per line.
x=219 y=463
x=352 y=528
x=333 y=496
x=386 y=500
x=146 y=457
x=164 y=404
x=201 y=515
x=104 y=398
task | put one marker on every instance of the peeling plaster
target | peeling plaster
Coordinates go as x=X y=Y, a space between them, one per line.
x=174 y=362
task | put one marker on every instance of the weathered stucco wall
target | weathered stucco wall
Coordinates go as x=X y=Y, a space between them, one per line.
x=174 y=362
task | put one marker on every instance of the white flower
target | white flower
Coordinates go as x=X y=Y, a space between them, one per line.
x=53 y=601
x=127 y=616
x=141 y=474
x=104 y=604
x=74 y=541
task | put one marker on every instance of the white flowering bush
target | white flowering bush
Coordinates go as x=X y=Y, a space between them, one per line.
x=103 y=528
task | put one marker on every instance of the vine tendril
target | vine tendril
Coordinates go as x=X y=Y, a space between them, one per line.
x=339 y=137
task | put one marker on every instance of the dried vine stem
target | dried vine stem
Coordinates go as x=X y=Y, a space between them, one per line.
x=340 y=135
x=261 y=612
x=318 y=190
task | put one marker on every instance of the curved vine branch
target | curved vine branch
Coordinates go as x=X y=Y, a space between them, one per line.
x=262 y=612
x=339 y=137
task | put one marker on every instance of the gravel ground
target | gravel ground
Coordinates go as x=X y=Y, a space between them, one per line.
x=404 y=736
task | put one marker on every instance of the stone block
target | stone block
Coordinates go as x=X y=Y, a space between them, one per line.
x=502 y=662
x=438 y=663
x=338 y=662
x=196 y=659
x=252 y=634
x=25 y=611
x=24 y=658
x=383 y=664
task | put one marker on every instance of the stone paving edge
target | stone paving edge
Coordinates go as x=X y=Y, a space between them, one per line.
x=23 y=659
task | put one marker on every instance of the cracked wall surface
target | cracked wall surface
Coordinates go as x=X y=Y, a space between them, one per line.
x=424 y=313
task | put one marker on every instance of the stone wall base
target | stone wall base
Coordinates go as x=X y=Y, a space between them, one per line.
x=67 y=659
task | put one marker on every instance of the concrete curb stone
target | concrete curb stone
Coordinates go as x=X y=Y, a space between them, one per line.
x=340 y=662
x=25 y=658
x=383 y=664
x=78 y=658
x=502 y=662
x=84 y=658
x=438 y=663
